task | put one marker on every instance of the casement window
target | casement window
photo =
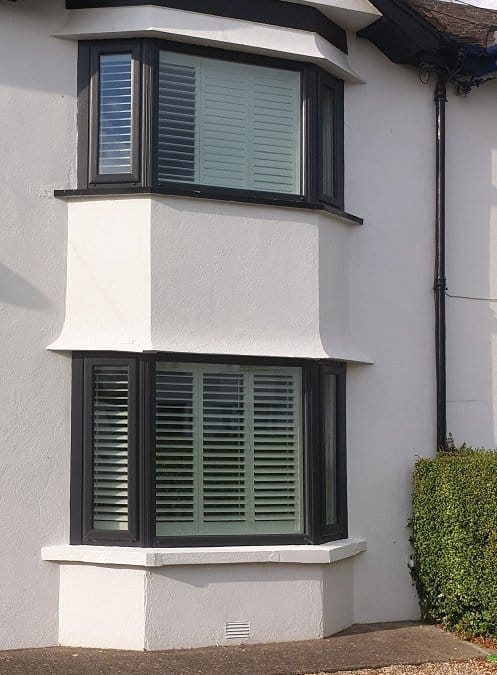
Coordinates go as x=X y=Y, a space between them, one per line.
x=183 y=119
x=186 y=451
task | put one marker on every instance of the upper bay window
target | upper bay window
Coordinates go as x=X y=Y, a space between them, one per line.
x=201 y=121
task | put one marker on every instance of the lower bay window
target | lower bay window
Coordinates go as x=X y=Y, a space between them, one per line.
x=180 y=450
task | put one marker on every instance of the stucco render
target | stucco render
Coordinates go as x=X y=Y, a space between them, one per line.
x=37 y=147
x=194 y=275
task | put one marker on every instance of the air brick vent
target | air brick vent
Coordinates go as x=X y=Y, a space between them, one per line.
x=237 y=630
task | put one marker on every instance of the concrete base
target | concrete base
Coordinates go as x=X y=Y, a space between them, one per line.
x=198 y=605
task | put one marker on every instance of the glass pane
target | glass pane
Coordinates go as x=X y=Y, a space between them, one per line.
x=114 y=114
x=110 y=447
x=177 y=137
x=330 y=437
x=175 y=461
x=327 y=141
x=224 y=441
x=228 y=124
x=228 y=450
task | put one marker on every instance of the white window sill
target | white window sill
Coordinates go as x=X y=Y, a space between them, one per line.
x=162 y=557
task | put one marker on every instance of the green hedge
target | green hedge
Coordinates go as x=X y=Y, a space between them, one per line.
x=454 y=536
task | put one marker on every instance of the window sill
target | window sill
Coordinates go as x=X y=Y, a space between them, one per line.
x=163 y=557
x=239 y=197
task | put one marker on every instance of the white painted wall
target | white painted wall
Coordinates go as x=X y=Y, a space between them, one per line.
x=472 y=267
x=391 y=405
x=37 y=150
x=177 y=606
x=310 y=286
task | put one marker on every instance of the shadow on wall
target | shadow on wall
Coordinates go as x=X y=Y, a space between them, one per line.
x=14 y=290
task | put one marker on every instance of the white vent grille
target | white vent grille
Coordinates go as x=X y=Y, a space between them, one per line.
x=237 y=630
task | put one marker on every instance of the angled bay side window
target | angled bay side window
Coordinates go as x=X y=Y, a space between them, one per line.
x=189 y=451
x=115 y=113
x=192 y=120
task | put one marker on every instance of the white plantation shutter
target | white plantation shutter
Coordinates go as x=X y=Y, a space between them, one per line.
x=228 y=124
x=275 y=130
x=115 y=114
x=178 y=134
x=224 y=460
x=175 y=453
x=224 y=124
x=228 y=450
x=276 y=434
x=110 y=447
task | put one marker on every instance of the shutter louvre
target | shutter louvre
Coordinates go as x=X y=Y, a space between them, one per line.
x=223 y=447
x=276 y=448
x=110 y=447
x=178 y=119
x=175 y=458
x=227 y=124
x=275 y=130
x=115 y=112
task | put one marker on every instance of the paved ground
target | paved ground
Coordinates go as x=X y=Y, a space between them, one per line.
x=370 y=646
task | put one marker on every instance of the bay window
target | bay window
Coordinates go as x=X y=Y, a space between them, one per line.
x=183 y=119
x=182 y=450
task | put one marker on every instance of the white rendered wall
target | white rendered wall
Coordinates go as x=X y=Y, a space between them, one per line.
x=188 y=605
x=191 y=275
x=37 y=148
x=389 y=135
x=365 y=289
x=472 y=267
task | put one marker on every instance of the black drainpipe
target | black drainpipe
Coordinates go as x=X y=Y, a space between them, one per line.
x=440 y=280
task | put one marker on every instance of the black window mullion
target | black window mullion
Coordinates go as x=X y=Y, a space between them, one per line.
x=149 y=91
x=342 y=453
x=147 y=451
x=77 y=453
x=84 y=80
x=311 y=136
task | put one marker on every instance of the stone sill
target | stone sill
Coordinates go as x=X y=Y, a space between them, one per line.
x=163 y=557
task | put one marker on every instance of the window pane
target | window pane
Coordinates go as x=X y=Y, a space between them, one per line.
x=115 y=93
x=228 y=124
x=330 y=437
x=224 y=440
x=228 y=450
x=327 y=141
x=177 y=120
x=110 y=447
x=175 y=462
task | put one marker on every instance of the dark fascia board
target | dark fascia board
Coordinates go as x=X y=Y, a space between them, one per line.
x=403 y=35
x=273 y=12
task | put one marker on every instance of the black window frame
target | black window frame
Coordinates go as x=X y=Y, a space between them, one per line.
x=145 y=54
x=336 y=199
x=141 y=496
x=99 y=49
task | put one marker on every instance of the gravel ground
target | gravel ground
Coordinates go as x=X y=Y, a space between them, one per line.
x=475 y=667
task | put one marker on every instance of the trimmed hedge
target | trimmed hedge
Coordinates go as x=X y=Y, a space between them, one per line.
x=454 y=536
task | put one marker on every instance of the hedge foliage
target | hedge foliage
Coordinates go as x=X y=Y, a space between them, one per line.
x=454 y=536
